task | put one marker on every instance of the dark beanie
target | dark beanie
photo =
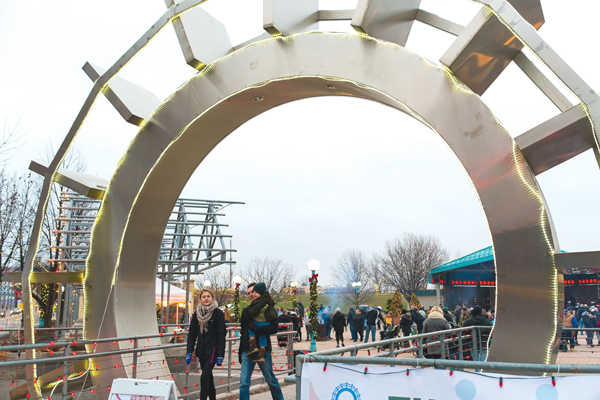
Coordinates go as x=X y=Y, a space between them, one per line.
x=475 y=311
x=445 y=309
x=260 y=288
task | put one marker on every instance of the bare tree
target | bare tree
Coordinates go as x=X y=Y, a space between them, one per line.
x=352 y=266
x=274 y=272
x=220 y=283
x=406 y=261
x=11 y=140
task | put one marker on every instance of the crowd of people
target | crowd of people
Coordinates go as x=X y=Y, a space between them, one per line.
x=581 y=316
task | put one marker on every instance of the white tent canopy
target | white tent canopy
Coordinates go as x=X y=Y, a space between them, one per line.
x=177 y=294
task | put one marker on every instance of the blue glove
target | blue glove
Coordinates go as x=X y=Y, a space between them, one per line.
x=219 y=361
x=188 y=358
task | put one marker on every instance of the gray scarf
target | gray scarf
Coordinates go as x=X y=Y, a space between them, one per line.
x=204 y=313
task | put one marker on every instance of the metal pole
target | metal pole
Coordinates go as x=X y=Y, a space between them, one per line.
x=442 y=346
x=135 y=356
x=475 y=352
x=420 y=347
x=460 y=345
x=66 y=373
x=392 y=348
x=299 y=362
x=230 y=352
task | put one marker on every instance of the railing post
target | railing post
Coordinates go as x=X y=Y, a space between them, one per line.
x=460 y=345
x=290 y=346
x=135 y=356
x=10 y=337
x=475 y=350
x=442 y=347
x=420 y=347
x=299 y=376
x=230 y=352
x=392 y=349
x=66 y=372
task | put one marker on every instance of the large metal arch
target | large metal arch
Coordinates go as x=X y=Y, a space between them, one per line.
x=186 y=127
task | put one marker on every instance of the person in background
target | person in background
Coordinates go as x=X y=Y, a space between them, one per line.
x=207 y=334
x=380 y=318
x=372 y=317
x=339 y=325
x=477 y=318
x=463 y=316
x=435 y=322
x=351 y=314
x=569 y=321
x=359 y=324
x=405 y=323
x=389 y=321
x=448 y=317
x=416 y=318
x=327 y=322
x=589 y=321
x=306 y=320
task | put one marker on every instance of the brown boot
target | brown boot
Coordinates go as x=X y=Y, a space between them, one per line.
x=260 y=358
x=252 y=345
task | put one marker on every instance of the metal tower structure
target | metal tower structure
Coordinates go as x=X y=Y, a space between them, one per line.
x=193 y=242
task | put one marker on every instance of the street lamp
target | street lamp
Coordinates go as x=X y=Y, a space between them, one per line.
x=236 y=298
x=313 y=266
x=207 y=284
x=294 y=285
x=356 y=286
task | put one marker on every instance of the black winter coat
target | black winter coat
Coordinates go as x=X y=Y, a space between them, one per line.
x=210 y=344
x=247 y=323
x=358 y=322
x=351 y=314
x=339 y=322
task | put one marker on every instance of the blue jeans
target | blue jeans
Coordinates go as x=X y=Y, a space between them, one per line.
x=267 y=371
x=370 y=328
x=352 y=332
x=262 y=339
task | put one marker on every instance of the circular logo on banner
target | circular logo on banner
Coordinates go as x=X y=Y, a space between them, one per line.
x=465 y=390
x=345 y=387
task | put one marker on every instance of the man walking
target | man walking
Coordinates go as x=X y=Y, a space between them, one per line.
x=351 y=314
x=247 y=361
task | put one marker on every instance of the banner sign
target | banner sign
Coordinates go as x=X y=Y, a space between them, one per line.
x=351 y=382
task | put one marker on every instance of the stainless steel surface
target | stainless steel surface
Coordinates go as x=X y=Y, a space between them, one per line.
x=132 y=101
x=542 y=82
x=202 y=37
x=211 y=105
x=533 y=238
x=284 y=17
x=389 y=20
x=335 y=15
x=557 y=140
x=486 y=47
x=438 y=22
x=84 y=184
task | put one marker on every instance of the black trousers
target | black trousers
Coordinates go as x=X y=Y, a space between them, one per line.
x=207 y=381
x=359 y=332
x=339 y=336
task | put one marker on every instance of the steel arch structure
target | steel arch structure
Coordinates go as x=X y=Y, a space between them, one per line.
x=237 y=83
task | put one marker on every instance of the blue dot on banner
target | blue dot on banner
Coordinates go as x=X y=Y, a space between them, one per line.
x=546 y=392
x=465 y=390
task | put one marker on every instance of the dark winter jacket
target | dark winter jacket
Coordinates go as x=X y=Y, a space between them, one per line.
x=262 y=309
x=338 y=322
x=210 y=344
x=246 y=323
x=449 y=318
x=358 y=322
x=351 y=314
x=589 y=320
x=480 y=335
x=327 y=318
x=372 y=317
x=418 y=319
x=406 y=323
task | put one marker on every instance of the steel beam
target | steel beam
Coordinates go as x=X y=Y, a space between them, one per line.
x=486 y=47
x=285 y=17
x=389 y=20
x=46 y=277
x=84 y=184
x=202 y=37
x=557 y=140
x=132 y=101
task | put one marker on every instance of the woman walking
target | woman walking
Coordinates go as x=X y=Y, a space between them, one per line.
x=207 y=334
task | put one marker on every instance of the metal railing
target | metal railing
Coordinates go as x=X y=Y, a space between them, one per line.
x=69 y=358
x=461 y=338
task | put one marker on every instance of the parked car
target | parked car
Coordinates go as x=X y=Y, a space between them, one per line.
x=14 y=311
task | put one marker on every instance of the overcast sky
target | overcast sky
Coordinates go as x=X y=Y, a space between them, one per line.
x=318 y=176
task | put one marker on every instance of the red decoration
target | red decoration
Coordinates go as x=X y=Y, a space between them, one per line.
x=314 y=276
